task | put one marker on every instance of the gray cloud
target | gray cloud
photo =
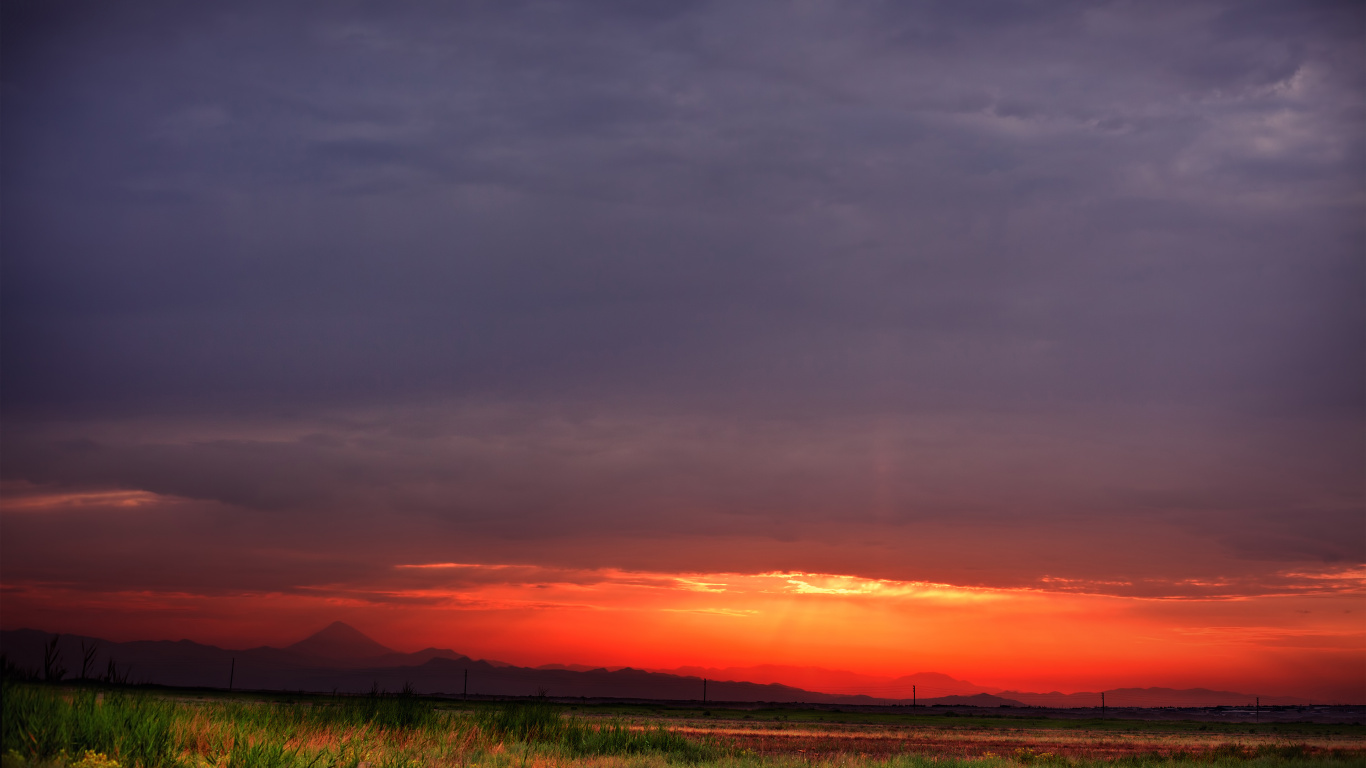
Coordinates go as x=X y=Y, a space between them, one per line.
x=760 y=243
x=1000 y=501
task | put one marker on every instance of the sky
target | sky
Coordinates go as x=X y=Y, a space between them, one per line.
x=1017 y=341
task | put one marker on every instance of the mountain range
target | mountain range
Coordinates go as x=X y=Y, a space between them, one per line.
x=343 y=659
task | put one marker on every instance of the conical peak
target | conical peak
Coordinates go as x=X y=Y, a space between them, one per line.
x=340 y=640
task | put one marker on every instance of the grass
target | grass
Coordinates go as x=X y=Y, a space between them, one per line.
x=542 y=723
x=40 y=724
x=990 y=720
x=50 y=726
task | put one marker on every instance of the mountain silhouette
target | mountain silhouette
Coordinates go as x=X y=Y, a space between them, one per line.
x=927 y=684
x=340 y=641
x=340 y=658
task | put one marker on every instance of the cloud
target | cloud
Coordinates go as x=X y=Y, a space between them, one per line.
x=1060 y=295
x=699 y=207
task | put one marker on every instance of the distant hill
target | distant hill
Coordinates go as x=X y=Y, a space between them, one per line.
x=1149 y=697
x=340 y=641
x=573 y=667
x=924 y=685
x=341 y=658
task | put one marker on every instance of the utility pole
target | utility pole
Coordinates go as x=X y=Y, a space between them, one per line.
x=913 y=697
x=232 y=672
x=1102 y=705
x=704 y=690
x=1257 y=716
x=466 y=693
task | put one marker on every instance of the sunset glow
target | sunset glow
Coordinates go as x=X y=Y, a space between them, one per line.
x=1017 y=345
x=1059 y=634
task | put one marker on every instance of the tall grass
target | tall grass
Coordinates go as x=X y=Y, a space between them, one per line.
x=41 y=724
x=534 y=722
x=616 y=738
x=46 y=723
x=542 y=723
x=402 y=711
x=47 y=726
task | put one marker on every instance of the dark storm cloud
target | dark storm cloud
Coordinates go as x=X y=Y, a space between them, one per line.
x=999 y=501
x=725 y=265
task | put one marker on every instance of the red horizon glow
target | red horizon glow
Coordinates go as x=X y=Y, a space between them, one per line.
x=1307 y=645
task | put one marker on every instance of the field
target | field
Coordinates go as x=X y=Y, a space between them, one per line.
x=88 y=727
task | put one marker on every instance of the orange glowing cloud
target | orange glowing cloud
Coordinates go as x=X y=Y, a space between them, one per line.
x=78 y=500
x=1008 y=638
x=1293 y=631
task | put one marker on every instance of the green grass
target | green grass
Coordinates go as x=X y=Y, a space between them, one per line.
x=41 y=724
x=53 y=726
x=403 y=710
x=991 y=720
x=542 y=723
x=48 y=724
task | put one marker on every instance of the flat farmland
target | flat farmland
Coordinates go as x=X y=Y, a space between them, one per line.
x=1003 y=738
x=82 y=726
x=817 y=734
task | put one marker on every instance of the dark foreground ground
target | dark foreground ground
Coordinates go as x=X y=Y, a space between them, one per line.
x=1328 y=714
x=100 y=726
